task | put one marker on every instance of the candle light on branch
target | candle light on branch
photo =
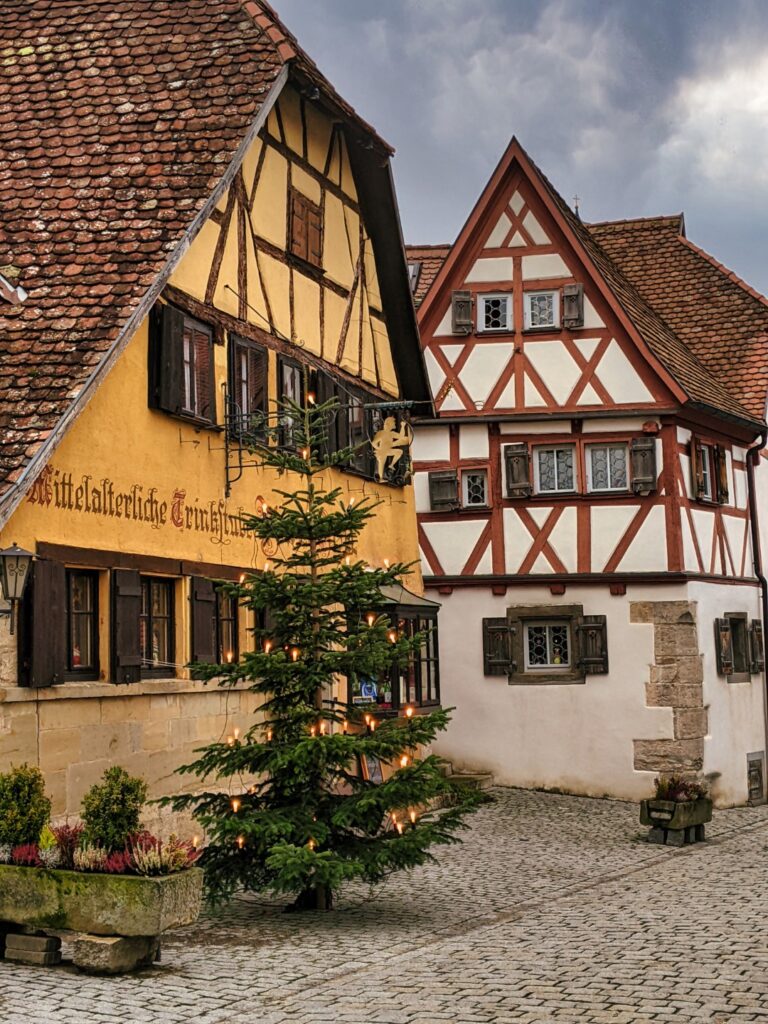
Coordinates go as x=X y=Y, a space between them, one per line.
x=313 y=730
x=311 y=844
x=295 y=653
x=404 y=761
x=240 y=842
x=195 y=842
x=370 y=618
x=412 y=816
x=269 y=735
x=267 y=646
x=230 y=657
x=399 y=827
x=235 y=805
x=236 y=732
x=409 y=712
x=323 y=727
x=344 y=726
x=392 y=636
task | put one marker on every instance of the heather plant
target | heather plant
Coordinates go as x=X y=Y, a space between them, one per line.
x=112 y=809
x=89 y=858
x=151 y=856
x=679 y=788
x=26 y=855
x=24 y=807
x=67 y=841
x=5 y=853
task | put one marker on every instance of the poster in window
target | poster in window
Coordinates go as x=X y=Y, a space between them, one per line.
x=371 y=769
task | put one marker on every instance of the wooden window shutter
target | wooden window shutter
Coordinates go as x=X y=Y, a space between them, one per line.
x=721 y=473
x=203 y=598
x=461 y=312
x=573 y=305
x=326 y=391
x=697 y=469
x=299 y=227
x=444 y=490
x=258 y=363
x=756 y=646
x=644 y=473
x=497 y=653
x=724 y=647
x=126 y=639
x=517 y=464
x=202 y=342
x=166 y=359
x=592 y=631
x=315 y=235
x=46 y=621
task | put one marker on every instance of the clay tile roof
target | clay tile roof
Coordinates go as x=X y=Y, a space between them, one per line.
x=117 y=121
x=429 y=259
x=722 y=320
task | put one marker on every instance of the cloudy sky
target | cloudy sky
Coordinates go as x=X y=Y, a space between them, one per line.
x=639 y=106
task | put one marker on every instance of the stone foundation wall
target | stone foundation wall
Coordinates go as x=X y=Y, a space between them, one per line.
x=676 y=681
x=76 y=730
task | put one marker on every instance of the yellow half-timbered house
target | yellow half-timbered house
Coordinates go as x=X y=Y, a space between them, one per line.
x=200 y=228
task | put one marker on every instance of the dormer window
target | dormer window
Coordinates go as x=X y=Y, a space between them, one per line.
x=494 y=313
x=541 y=309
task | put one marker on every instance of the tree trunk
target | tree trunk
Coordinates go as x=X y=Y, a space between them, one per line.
x=317 y=898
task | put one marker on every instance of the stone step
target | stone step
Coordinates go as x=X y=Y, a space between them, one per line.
x=473 y=780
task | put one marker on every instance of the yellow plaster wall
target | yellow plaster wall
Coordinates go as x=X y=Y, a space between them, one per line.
x=270 y=284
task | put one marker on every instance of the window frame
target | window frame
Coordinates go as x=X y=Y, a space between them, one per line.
x=481 y=300
x=555 y=447
x=219 y=620
x=707 y=471
x=93 y=671
x=168 y=669
x=286 y=424
x=589 y=448
x=550 y=667
x=188 y=411
x=740 y=646
x=250 y=420
x=521 y=616
x=312 y=209
x=556 y=315
x=465 y=473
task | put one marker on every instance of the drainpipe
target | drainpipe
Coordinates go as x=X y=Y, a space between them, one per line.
x=753 y=458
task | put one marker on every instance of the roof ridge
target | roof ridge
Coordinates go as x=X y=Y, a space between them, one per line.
x=679 y=217
x=432 y=245
x=726 y=271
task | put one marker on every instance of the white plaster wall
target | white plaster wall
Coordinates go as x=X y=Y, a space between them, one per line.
x=577 y=737
x=473 y=441
x=431 y=444
x=544 y=426
x=491 y=268
x=736 y=720
x=598 y=426
x=543 y=266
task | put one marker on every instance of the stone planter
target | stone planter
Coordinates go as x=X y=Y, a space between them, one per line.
x=676 y=822
x=133 y=908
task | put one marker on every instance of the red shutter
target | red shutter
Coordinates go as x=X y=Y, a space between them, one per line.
x=203 y=598
x=126 y=612
x=44 y=651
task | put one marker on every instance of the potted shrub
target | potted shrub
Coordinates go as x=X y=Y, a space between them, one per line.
x=103 y=878
x=678 y=811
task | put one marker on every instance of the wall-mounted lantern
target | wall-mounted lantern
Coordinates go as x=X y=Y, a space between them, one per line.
x=14 y=572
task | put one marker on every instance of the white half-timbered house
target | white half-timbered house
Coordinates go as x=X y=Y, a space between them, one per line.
x=587 y=496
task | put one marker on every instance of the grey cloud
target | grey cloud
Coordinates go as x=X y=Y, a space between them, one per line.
x=640 y=106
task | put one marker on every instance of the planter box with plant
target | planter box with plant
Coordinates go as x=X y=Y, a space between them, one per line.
x=678 y=812
x=104 y=877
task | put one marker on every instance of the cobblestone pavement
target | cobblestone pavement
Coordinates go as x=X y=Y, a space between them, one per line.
x=552 y=910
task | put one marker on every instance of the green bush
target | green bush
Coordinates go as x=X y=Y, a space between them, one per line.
x=112 y=809
x=24 y=807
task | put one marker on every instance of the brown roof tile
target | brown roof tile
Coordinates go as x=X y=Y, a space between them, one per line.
x=117 y=121
x=429 y=258
x=720 y=318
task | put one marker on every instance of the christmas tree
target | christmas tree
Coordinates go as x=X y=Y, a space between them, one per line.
x=311 y=820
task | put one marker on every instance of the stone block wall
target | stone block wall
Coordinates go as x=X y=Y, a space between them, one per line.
x=75 y=731
x=676 y=681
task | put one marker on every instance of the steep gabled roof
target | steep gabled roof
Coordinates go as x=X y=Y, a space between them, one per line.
x=120 y=127
x=681 y=367
x=429 y=259
x=719 y=317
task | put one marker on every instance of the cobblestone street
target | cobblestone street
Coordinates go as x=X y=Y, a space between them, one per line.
x=552 y=910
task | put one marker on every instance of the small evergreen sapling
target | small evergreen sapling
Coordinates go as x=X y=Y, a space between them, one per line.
x=311 y=821
x=112 y=810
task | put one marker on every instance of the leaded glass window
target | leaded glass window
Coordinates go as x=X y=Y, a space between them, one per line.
x=547 y=645
x=474 y=488
x=541 y=309
x=554 y=469
x=494 y=313
x=607 y=466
